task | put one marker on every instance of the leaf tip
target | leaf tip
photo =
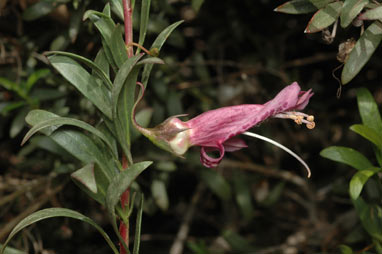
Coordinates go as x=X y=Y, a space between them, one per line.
x=25 y=139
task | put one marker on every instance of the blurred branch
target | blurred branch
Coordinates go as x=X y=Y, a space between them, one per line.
x=178 y=244
x=319 y=57
x=25 y=187
x=252 y=69
x=310 y=204
x=40 y=201
x=281 y=174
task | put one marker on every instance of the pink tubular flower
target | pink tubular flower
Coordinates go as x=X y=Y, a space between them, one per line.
x=216 y=129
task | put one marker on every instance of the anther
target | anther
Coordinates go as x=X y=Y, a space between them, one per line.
x=298 y=119
x=310 y=125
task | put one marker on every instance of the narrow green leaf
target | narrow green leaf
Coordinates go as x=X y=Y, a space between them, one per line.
x=94 y=15
x=274 y=195
x=97 y=69
x=109 y=55
x=7 y=84
x=237 y=243
x=123 y=125
x=120 y=79
x=38 y=115
x=302 y=6
x=123 y=100
x=350 y=10
x=59 y=121
x=159 y=193
x=46 y=143
x=151 y=60
x=145 y=11
x=378 y=155
x=18 y=122
x=117 y=46
x=57 y=212
x=345 y=249
x=362 y=51
x=138 y=225
x=167 y=166
x=83 y=148
x=103 y=23
x=324 y=17
x=102 y=182
x=371 y=217
x=243 y=195
x=34 y=77
x=368 y=110
x=105 y=26
x=85 y=175
x=158 y=43
x=84 y=82
x=75 y=22
x=368 y=133
x=347 y=156
x=162 y=37
x=119 y=184
x=60 y=42
x=13 y=86
x=117 y=8
x=372 y=14
x=196 y=4
x=47 y=94
x=9 y=250
x=359 y=179
x=8 y=107
x=109 y=134
x=217 y=183
x=101 y=61
x=107 y=10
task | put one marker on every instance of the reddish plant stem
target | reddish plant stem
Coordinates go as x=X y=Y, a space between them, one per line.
x=124 y=228
x=125 y=197
x=128 y=16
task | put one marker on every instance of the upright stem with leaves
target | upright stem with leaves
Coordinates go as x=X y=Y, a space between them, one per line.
x=125 y=197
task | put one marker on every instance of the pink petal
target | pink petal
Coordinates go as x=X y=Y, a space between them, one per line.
x=217 y=126
x=234 y=144
x=284 y=100
x=209 y=161
x=303 y=99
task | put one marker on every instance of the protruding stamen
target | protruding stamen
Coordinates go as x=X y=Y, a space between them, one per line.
x=299 y=118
